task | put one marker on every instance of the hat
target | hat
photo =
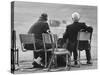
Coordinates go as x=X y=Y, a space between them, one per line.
x=75 y=16
x=44 y=15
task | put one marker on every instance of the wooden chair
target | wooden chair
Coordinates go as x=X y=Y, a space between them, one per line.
x=83 y=36
x=52 y=39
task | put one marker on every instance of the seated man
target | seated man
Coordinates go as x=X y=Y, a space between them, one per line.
x=71 y=34
x=40 y=27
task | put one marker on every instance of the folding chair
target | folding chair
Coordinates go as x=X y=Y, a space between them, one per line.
x=47 y=40
x=83 y=36
x=28 y=39
x=52 y=39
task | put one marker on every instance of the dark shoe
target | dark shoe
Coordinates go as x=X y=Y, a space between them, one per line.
x=90 y=63
x=76 y=64
x=36 y=65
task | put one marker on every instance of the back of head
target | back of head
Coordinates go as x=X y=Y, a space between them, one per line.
x=75 y=17
x=44 y=16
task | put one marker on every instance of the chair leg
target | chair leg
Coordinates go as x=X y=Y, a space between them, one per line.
x=50 y=62
x=66 y=61
x=55 y=60
x=69 y=61
x=45 y=59
x=33 y=57
x=79 y=59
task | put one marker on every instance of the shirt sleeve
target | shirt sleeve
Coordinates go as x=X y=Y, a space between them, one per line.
x=87 y=28
x=83 y=26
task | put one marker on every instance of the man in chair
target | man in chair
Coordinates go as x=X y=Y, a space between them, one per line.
x=71 y=34
x=38 y=28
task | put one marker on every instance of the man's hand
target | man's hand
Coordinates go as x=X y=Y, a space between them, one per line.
x=48 y=31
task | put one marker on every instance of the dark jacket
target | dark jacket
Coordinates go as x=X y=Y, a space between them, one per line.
x=72 y=32
x=38 y=28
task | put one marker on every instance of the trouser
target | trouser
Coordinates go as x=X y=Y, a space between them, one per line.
x=88 y=55
x=39 y=45
x=75 y=54
x=42 y=55
x=83 y=46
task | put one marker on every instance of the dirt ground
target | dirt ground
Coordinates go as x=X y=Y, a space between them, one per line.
x=27 y=68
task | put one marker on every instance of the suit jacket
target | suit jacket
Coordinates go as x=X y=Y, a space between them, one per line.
x=72 y=32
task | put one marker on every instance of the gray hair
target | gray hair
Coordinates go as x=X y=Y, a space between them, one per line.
x=75 y=16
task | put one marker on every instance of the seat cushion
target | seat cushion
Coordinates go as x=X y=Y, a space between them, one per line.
x=61 y=51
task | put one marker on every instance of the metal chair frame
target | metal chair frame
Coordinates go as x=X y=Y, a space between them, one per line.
x=52 y=39
x=83 y=36
x=28 y=39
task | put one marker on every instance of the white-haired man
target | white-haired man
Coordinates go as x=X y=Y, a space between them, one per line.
x=71 y=34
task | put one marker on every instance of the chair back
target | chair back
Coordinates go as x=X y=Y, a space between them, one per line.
x=47 y=38
x=55 y=39
x=27 y=39
x=50 y=39
x=84 y=36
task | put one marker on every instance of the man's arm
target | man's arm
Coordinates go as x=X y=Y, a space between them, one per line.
x=31 y=29
x=87 y=28
x=83 y=26
x=65 y=35
x=46 y=28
